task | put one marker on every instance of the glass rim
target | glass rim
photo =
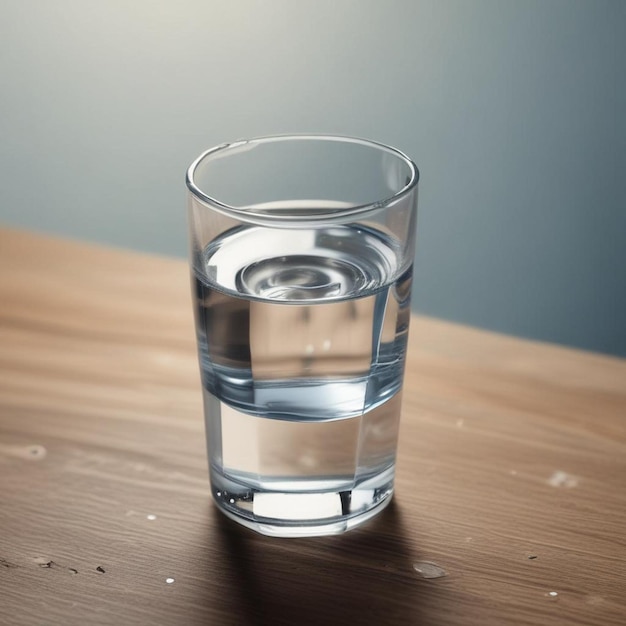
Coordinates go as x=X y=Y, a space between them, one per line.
x=247 y=215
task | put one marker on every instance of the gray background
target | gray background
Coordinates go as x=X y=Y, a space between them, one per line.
x=513 y=110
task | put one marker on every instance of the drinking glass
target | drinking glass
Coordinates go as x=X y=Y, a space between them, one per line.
x=301 y=253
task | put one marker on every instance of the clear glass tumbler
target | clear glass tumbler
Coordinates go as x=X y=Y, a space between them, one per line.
x=302 y=252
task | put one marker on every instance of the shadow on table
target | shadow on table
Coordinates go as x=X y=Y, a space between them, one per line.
x=365 y=576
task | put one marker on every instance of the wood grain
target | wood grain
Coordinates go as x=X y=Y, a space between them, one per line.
x=511 y=472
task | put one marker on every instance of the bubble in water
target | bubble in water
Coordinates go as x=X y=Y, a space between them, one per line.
x=307 y=460
x=427 y=569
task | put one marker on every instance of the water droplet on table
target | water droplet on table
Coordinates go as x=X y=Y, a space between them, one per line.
x=33 y=452
x=151 y=517
x=427 y=569
x=552 y=595
x=594 y=599
x=37 y=452
x=562 y=479
x=169 y=581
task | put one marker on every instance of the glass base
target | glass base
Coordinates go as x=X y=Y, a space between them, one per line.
x=291 y=513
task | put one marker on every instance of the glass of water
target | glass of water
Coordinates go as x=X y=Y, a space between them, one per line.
x=302 y=252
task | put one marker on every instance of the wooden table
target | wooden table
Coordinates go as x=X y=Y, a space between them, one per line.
x=511 y=475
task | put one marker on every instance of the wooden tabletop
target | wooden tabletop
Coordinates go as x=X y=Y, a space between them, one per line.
x=511 y=474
